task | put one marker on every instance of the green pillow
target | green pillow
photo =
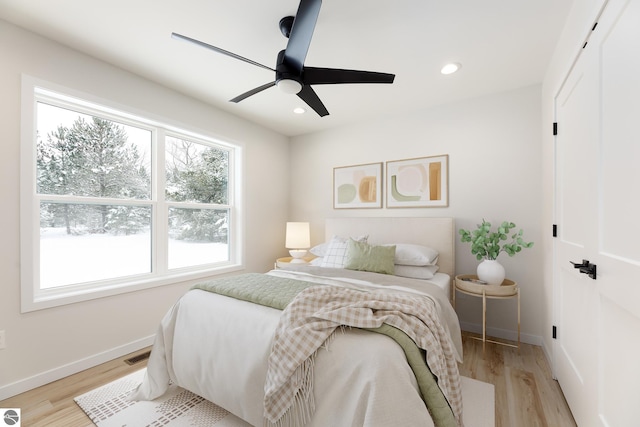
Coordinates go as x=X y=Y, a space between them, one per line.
x=365 y=257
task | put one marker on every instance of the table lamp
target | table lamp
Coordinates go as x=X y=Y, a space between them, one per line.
x=297 y=240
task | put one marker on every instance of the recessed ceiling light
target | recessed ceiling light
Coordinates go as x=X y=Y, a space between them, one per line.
x=450 y=68
x=299 y=110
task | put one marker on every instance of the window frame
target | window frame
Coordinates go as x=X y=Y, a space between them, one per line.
x=32 y=297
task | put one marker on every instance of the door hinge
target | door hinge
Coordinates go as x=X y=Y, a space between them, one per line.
x=555 y=128
x=554 y=333
x=555 y=230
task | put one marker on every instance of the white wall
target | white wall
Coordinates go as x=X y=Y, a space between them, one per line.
x=494 y=152
x=45 y=344
x=577 y=28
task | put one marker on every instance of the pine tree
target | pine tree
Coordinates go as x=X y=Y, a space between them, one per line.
x=93 y=158
x=56 y=175
x=197 y=174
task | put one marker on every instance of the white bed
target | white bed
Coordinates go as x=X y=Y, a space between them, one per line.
x=218 y=347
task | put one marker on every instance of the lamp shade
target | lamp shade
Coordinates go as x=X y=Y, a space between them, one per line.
x=297 y=236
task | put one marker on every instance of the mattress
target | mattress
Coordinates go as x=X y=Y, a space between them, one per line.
x=443 y=281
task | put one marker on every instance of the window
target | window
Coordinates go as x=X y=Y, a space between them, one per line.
x=113 y=202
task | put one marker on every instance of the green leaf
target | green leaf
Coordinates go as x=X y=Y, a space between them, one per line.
x=486 y=243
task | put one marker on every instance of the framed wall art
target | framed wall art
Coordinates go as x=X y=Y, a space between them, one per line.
x=418 y=183
x=357 y=187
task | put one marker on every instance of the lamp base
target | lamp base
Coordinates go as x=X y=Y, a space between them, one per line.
x=297 y=255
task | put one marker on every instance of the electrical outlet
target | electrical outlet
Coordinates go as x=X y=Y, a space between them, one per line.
x=3 y=342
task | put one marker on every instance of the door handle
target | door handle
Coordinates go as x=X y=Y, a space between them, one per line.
x=586 y=267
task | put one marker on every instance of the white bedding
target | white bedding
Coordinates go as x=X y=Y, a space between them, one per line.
x=218 y=347
x=443 y=281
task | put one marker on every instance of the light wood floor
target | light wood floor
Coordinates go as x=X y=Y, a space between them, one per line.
x=52 y=405
x=525 y=393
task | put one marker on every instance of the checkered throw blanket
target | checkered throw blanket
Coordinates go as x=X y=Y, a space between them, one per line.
x=312 y=318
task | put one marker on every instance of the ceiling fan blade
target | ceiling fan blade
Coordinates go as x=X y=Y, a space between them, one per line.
x=253 y=92
x=217 y=49
x=308 y=95
x=301 y=33
x=328 y=76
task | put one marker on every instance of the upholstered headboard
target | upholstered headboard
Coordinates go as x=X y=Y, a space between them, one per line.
x=437 y=233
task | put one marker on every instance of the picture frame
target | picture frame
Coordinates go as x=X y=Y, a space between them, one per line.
x=421 y=182
x=358 y=186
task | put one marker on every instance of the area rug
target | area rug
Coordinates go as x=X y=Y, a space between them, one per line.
x=107 y=406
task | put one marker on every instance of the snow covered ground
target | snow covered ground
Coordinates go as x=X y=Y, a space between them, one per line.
x=70 y=259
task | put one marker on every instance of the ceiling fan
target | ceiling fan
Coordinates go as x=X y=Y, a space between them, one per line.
x=291 y=74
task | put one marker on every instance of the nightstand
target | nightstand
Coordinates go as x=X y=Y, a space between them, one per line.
x=508 y=289
x=285 y=261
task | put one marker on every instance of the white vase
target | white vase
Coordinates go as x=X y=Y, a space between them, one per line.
x=491 y=271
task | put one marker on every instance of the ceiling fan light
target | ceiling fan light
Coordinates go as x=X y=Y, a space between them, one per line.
x=299 y=110
x=450 y=68
x=289 y=86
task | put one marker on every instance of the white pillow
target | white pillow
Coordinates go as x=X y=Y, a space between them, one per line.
x=336 y=254
x=317 y=262
x=417 y=255
x=320 y=250
x=415 y=272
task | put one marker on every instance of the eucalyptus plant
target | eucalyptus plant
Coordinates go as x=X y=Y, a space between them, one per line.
x=487 y=244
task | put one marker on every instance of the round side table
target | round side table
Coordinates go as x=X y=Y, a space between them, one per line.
x=467 y=284
x=286 y=261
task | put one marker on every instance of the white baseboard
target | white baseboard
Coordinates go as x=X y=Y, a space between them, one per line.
x=55 y=374
x=505 y=334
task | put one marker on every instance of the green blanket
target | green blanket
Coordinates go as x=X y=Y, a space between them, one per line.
x=278 y=292
x=270 y=291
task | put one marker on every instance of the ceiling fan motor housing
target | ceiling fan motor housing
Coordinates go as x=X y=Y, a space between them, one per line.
x=286 y=78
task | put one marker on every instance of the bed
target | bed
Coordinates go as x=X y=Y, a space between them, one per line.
x=231 y=350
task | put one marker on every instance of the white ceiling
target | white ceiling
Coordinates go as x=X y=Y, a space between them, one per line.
x=501 y=44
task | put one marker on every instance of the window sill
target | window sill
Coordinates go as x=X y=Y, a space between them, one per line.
x=49 y=298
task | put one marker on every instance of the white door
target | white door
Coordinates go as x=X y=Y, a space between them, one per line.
x=597 y=348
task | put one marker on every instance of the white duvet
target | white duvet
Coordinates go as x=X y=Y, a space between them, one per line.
x=217 y=347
